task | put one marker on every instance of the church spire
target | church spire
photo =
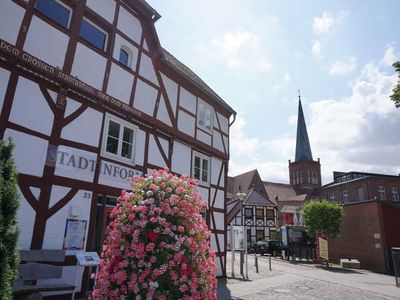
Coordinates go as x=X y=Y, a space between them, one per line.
x=303 y=149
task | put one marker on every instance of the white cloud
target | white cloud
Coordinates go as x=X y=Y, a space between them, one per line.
x=241 y=49
x=359 y=132
x=390 y=57
x=341 y=67
x=326 y=21
x=316 y=48
x=240 y=144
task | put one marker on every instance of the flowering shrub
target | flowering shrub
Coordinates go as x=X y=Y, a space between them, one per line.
x=158 y=243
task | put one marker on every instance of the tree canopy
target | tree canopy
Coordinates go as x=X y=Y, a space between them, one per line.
x=322 y=214
x=396 y=90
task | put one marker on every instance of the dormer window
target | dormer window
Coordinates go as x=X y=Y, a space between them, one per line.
x=124 y=56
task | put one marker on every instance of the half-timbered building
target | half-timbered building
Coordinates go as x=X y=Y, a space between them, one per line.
x=90 y=98
x=249 y=205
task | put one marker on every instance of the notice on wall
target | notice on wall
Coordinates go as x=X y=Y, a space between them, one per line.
x=323 y=249
x=74 y=236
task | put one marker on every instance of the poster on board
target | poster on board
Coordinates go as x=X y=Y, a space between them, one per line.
x=239 y=240
x=74 y=235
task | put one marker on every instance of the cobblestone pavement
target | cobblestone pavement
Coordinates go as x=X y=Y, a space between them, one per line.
x=303 y=281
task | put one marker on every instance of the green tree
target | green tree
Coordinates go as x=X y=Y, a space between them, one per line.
x=324 y=215
x=396 y=90
x=8 y=220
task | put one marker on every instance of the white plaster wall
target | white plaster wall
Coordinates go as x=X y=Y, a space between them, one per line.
x=11 y=16
x=116 y=181
x=145 y=45
x=139 y=147
x=4 y=77
x=119 y=42
x=145 y=97
x=215 y=170
x=105 y=8
x=188 y=101
x=219 y=199
x=181 y=158
x=129 y=25
x=162 y=113
x=224 y=122
x=46 y=42
x=217 y=141
x=221 y=239
x=120 y=83
x=86 y=128
x=155 y=157
x=219 y=221
x=203 y=137
x=30 y=152
x=27 y=99
x=226 y=141
x=67 y=170
x=147 y=69
x=186 y=123
x=219 y=267
x=89 y=66
x=172 y=91
x=57 y=193
x=55 y=226
x=204 y=193
x=26 y=220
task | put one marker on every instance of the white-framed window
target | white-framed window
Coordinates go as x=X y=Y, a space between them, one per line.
x=93 y=34
x=201 y=167
x=55 y=10
x=395 y=194
x=119 y=139
x=125 y=56
x=332 y=196
x=381 y=192
x=205 y=114
x=345 y=196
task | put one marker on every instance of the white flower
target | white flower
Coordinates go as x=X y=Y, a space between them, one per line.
x=153 y=284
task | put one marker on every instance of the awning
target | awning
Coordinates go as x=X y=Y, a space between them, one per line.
x=291 y=209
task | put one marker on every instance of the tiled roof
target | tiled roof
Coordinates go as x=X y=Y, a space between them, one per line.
x=240 y=183
x=279 y=191
x=303 y=148
x=255 y=198
x=182 y=69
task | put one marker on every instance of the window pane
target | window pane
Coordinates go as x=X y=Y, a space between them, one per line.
x=128 y=135
x=123 y=57
x=126 y=150
x=205 y=171
x=197 y=173
x=54 y=11
x=197 y=162
x=93 y=35
x=113 y=129
x=208 y=118
x=112 y=145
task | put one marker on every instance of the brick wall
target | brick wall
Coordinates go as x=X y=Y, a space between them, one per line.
x=361 y=237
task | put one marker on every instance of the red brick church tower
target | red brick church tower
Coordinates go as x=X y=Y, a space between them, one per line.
x=304 y=172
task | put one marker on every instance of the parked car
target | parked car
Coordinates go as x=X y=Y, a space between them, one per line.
x=268 y=246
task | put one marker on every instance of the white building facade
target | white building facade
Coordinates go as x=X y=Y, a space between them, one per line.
x=90 y=98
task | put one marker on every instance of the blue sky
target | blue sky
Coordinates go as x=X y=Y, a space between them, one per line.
x=257 y=54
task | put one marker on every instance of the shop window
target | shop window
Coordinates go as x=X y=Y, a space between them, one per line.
x=93 y=34
x=201 y=167
x=119 y=139
x=395 y=194
x=55 y=10
x=204 y=116
x=381 y=193
x=260 y=235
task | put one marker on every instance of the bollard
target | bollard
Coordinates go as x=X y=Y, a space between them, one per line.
x=241 y=262
x=256 y=261
x=269 y=261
